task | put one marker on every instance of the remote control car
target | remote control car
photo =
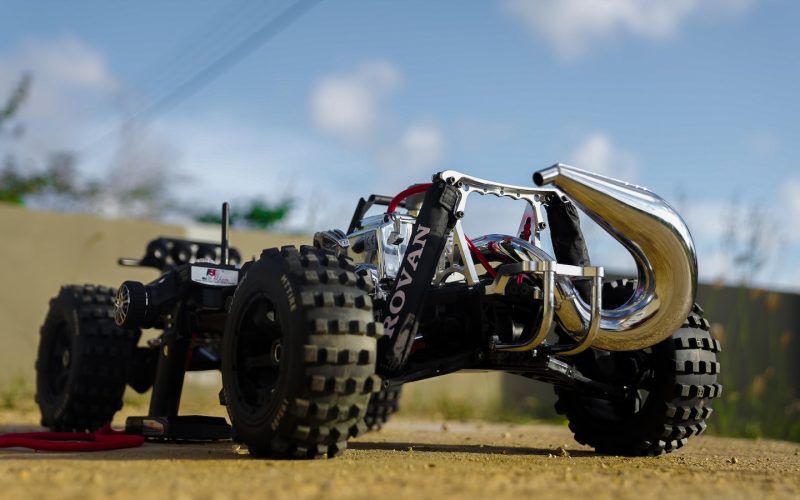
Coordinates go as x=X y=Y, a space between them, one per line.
x=315 y=343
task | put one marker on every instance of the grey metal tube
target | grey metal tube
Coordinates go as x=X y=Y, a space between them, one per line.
x=659 y=242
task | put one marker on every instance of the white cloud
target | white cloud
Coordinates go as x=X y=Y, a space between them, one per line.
x=352 y=107
x=68 y=60
x=420 y=146
x=575 y=27
x=61 y=68
x=348 y=106
x=423 y=145
x=739 y=241
x=790 y=198
x=71 y=87
x=598 y=154
x=763 y=143
x=226 y=157
x=707 y=219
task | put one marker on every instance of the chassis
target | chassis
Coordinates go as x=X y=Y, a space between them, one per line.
x=315 y=343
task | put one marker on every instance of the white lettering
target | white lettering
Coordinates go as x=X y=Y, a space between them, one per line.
x=413 y=258
x=389 y=324
x=398 y=299
x=405 y=278
x=398 y=295
x=422 y=232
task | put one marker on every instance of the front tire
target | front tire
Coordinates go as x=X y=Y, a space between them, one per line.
x=298 y=363
x=83 y=360
x=674 y=380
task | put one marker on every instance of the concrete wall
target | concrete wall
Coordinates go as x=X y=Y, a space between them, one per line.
x=40 y=251
x=760 y=335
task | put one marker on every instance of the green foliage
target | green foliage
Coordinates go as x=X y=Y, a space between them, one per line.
x=139 y=181
x=17 y=392
x=455 y=409
x=57 y=179
x=255 y=214
x=14 y=186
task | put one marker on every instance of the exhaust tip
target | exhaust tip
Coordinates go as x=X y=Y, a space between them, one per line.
x=548 y=175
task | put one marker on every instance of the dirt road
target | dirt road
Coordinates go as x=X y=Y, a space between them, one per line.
x=411 y=459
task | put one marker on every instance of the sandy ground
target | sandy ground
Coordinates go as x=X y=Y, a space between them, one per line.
x=411 y=459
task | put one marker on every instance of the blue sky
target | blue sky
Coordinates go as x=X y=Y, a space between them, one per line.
x=695 y=99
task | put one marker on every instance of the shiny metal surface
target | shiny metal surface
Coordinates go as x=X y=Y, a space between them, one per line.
x=641 y=221
x=371 y=273
x=660 y=243
x=381 y=241
x=468 y=185
x=333 y=239
x=559 y=296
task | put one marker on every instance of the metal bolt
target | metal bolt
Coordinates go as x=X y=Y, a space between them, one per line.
x=541 y=226
x=459 y=214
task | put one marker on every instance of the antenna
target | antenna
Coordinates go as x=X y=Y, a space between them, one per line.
x=225 y=245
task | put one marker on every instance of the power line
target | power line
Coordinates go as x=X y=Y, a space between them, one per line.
x=224 y=29
x=219 y=66
x=233 y=56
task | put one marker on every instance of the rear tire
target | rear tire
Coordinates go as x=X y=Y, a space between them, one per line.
x=298 y=363
x=675 y=381
x=83 y=360
x=381 y=406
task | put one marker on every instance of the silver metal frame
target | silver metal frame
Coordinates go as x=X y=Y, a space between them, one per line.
x=642 y=222
x=381 y=241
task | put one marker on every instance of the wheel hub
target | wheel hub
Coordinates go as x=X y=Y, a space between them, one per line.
x=122 y=302
x=259 y=352
x=275 y=353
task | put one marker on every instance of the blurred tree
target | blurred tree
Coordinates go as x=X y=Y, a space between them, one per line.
x=140 y=178
x=751 y=239
x=257 y=214
x=139 y=183
x=58 y=179
x=15 y=100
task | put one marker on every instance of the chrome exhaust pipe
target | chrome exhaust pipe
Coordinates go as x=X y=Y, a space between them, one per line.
x=659 y=242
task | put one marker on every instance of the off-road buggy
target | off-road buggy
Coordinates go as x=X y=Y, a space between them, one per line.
x=314 y=343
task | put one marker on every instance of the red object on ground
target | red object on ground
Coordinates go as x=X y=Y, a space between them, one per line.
x=101 y=440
